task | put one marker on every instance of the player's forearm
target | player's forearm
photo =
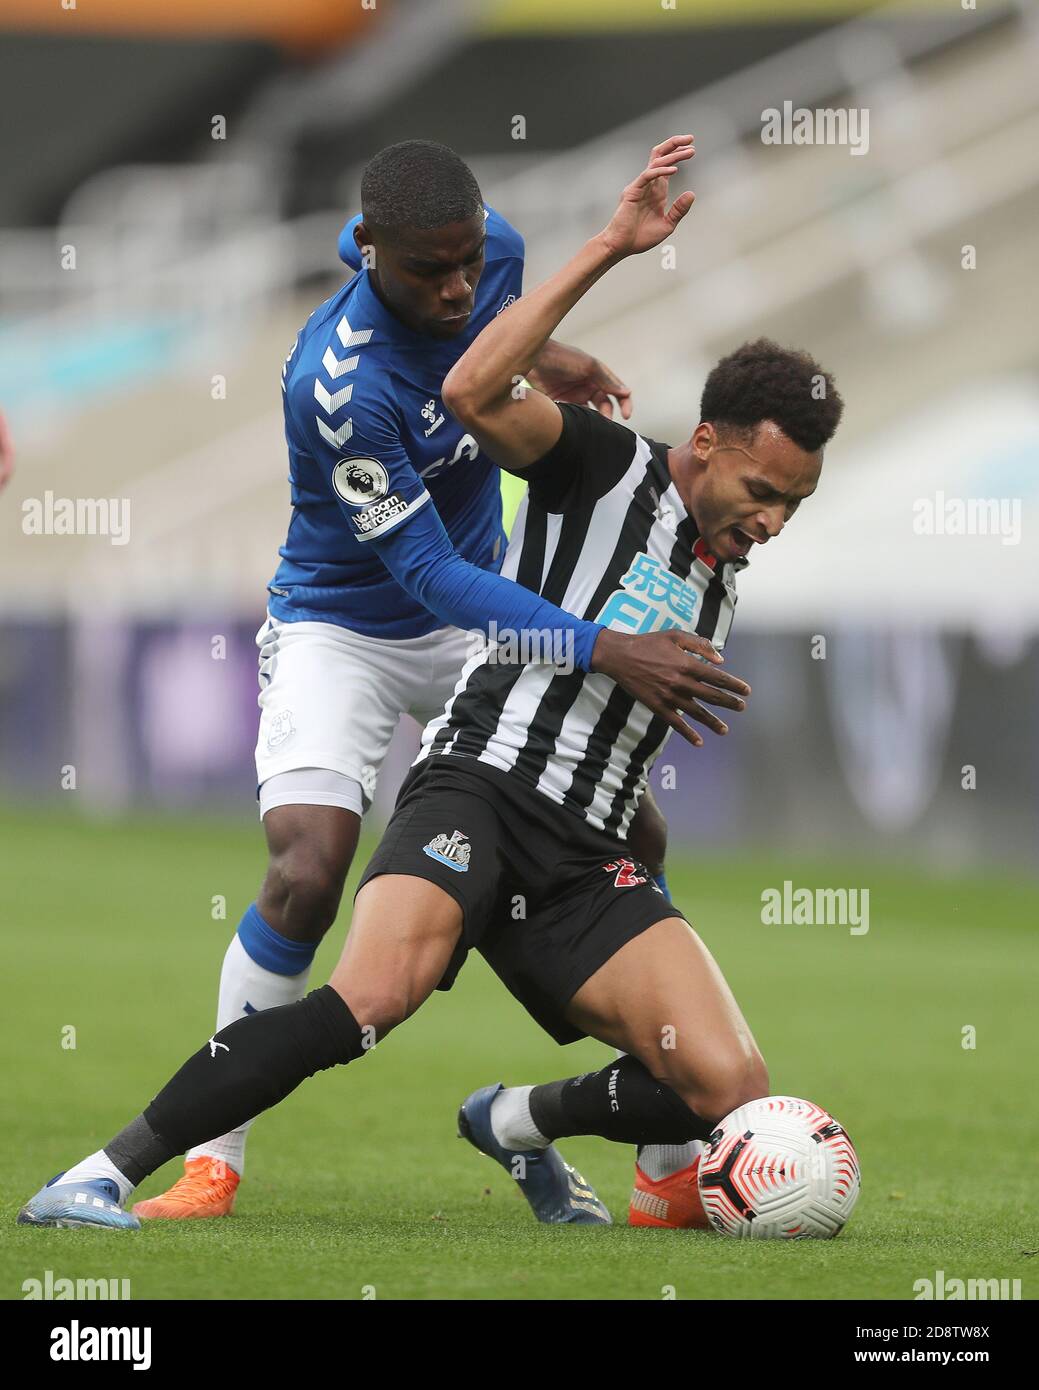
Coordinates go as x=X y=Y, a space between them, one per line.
x=549 y=355
x=509 y=347
x=544 y=360
x=421 y=559
x=482 y=601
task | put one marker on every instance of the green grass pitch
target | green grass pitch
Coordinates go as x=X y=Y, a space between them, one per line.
x=357 y=1186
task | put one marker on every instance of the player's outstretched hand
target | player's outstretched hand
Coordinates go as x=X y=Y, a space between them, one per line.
x=671 y=673
x=643 y=219
x=569 y=374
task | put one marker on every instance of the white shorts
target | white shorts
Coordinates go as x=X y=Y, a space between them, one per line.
x=330 y=700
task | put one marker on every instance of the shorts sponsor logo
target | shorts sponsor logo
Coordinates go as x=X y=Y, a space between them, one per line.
x=372 y=518
x=358 y=481
x=629 y=874
x=453 y=850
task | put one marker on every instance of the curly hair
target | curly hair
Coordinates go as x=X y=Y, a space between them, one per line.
x=763 y=381
x=418 y=183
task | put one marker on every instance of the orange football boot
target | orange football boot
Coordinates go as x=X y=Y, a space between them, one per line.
x=207 y=1189
x=672 y=1202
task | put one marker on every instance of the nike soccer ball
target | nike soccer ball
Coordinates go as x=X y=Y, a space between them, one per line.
x=779 y=1169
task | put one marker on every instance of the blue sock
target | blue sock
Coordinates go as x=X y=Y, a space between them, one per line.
x=269 y=949
x=661 y=881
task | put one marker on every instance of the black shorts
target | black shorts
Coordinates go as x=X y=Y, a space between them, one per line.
x=546 y=898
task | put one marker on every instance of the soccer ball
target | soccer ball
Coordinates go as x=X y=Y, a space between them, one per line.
x=779 y=1168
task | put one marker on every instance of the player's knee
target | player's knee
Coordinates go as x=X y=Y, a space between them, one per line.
x=306 y=887
x=742 y=1079
x=748 y=1082
x=730 y=1080
x=377 y=1007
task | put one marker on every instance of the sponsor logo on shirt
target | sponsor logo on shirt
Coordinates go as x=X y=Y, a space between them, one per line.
x=389 y=509
x=651 y=599
x=360 y=480
x=429 y=414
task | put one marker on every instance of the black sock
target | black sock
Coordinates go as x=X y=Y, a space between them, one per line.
x=247 y=1067
x=623 y=1102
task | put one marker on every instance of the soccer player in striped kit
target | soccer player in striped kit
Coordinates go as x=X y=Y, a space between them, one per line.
x=527 y=783
x=389 y=565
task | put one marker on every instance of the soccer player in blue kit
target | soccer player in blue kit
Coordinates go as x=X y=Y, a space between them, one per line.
x=389 y=566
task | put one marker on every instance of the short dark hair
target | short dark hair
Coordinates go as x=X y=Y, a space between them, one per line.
x=763 y=381
x=418 y=183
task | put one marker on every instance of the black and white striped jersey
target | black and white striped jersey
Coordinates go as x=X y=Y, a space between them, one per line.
x=602 y=533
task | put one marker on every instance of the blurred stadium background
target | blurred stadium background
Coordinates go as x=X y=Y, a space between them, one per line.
x=175 y=180
x=152 y=278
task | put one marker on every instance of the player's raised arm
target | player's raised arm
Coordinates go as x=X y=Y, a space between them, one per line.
x=562 y=372
x=484 y=389
x=570 y=374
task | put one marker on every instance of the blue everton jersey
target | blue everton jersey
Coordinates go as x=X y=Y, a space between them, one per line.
x=370 y=445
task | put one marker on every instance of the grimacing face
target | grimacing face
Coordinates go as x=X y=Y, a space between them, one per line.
x=745 y=490
x=428 y=278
